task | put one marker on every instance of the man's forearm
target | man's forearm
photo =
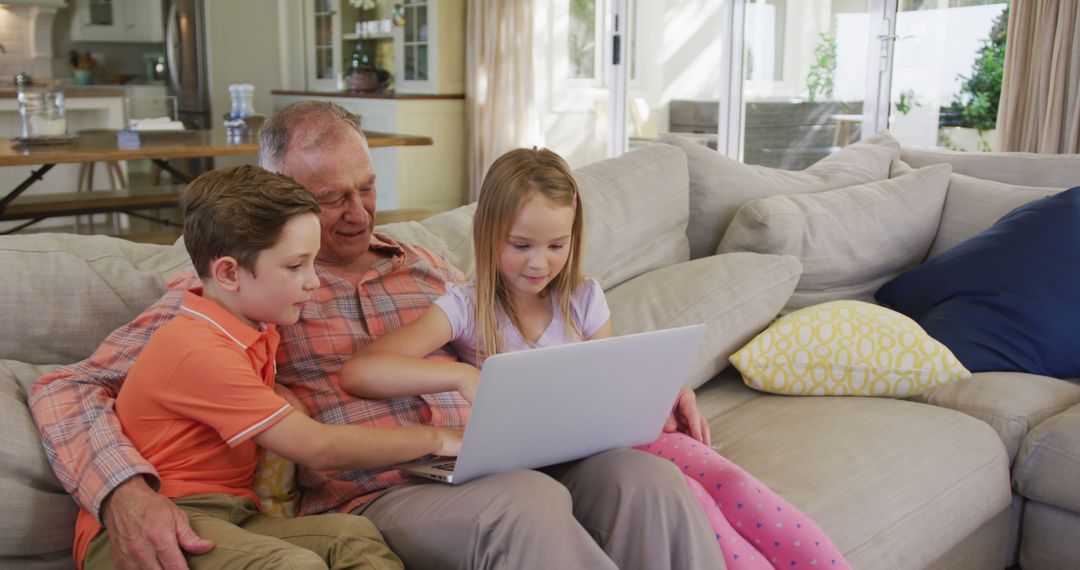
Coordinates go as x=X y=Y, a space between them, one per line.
x=73 y=408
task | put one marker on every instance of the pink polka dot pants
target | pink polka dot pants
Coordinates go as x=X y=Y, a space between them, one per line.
x=755 y=527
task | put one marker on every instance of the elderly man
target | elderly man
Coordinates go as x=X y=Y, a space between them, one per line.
x=620 y=509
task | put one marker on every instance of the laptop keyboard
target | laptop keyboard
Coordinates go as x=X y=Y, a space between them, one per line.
x=444 y=466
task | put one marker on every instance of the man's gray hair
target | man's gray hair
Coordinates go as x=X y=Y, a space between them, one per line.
x=314 y=122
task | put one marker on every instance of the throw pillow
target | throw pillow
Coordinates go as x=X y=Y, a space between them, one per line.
x=851 y=240
x=275 y=485
x=973 y=204
x=846 y=348
x=720 y=185
x=1006 y=299
x=734 y=295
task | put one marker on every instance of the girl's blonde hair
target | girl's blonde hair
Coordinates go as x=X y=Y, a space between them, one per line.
x=513 y=179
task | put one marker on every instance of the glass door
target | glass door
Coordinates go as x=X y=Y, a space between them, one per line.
x=804 y=79
x=947 y=102
x=655 y=65
x=323 y=41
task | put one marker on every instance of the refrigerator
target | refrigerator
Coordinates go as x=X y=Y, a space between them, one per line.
x=186 y=62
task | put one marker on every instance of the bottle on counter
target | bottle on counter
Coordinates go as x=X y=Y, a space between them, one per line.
x=243 y=97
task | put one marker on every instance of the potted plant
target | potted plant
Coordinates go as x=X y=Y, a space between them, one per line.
x=83 y=65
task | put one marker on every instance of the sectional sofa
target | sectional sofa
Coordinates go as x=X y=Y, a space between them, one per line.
x=979 y=473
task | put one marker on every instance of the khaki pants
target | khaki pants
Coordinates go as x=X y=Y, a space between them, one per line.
x=244 y=538
x=622 y=509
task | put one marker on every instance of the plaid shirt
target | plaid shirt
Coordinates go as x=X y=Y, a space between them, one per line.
x=73 y=405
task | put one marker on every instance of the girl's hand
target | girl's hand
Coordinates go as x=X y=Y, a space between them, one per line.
x=449 y=441
x=686 y=418
x=470 y=381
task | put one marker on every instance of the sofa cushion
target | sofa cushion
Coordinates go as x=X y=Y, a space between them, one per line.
x=1049 y=538
x=846 y=348
x=64 y=293
x=1046 y=170
x=636 y=211
x=735 y=295
x=1006 y=299
x=1049 y=461
x=849 y=240
x=720 y=185
x=1011 y=402
x=39 y=516
x=894 y=483
x=973 y=204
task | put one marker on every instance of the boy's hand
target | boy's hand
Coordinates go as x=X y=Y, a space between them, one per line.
x=686 y=418
x=469 y=382
x=449 y=441
x=147 y=530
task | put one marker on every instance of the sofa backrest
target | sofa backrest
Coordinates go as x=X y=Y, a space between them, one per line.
x=636 y=212
x=719 y=185
x=63 y=293
x=1020 y=168
x=986 y=186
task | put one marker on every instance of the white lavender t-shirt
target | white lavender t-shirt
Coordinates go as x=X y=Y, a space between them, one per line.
x=588 y=308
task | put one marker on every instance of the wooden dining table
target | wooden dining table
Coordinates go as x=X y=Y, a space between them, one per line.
x=110 y=146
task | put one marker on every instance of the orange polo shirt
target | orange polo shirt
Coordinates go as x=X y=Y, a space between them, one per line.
x=201 y=389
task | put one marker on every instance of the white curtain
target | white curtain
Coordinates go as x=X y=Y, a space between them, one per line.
x=499 y=81
x=1040 y=91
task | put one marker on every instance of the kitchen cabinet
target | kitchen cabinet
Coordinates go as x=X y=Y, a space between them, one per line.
x=429 y=50
x=117 y=21
x=426 y=54
x=322 y=43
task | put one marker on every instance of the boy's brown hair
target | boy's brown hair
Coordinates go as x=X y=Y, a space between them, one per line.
x=239 y=212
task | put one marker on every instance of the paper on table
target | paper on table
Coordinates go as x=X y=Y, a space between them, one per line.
x=155 y=124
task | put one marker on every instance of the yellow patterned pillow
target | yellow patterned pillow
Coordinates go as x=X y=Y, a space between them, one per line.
x=846 y=348
x=275 y=484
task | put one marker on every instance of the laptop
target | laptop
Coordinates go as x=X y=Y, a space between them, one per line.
x=545 y=406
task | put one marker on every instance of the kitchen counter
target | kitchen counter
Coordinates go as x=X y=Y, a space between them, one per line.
x=361 y=95
x=10 y=91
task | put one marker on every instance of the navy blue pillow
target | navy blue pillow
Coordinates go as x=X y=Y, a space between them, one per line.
x=1008 y=298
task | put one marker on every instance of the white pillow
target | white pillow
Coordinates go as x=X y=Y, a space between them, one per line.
x=735 y=295
x=850 y=241
x=720 y=185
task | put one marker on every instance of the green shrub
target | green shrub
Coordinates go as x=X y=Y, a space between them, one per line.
x=980 y=94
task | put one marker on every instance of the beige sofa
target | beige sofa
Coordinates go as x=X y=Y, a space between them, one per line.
x=971 y=475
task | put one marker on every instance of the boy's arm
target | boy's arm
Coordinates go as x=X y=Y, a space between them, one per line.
x=348 y=447
x=394 y=365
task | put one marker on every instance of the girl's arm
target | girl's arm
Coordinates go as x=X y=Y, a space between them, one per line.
x=330 y=447
x=394 y=365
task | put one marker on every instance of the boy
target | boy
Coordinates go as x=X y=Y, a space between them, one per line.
x=201 y=394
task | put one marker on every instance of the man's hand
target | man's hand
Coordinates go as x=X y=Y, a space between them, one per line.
x=147 y=530
x=686 y=418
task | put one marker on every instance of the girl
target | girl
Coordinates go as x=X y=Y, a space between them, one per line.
x=529 y=292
